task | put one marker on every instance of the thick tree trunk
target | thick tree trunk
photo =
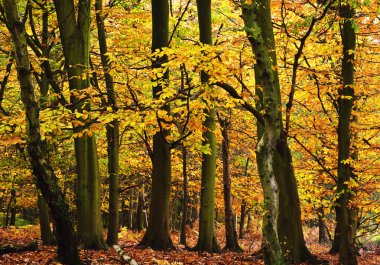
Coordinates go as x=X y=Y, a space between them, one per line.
x=273 y=148
x=347 y=255
x=112 y=133
x=231 y=233
x=157 y=235
x=207 y=238
x=47 y=181
x=46 y=233
x=75 y=36
x=185 y=197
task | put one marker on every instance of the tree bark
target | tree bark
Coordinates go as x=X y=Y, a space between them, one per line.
x=46 y=233
x=112 y=132
x=185 y=197
x=242 y=219
x=279 y=183
x=47 y=181
x=11 y=208
x=347 y=255
x=75 y=36
x=140 y=211
x=207 y=238
x=232 y=243
x=322 y=236
x=157 y=235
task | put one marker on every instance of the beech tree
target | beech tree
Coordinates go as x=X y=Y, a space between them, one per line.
x=74 y=27
x=112 y=131
x=207 y=238
x=46 y=179
x=345 y=214
x=282 y=229
x=157 y=234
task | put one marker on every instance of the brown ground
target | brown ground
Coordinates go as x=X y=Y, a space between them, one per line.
x=129 y=241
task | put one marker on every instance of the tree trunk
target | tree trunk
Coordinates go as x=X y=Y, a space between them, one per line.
x=46 y=233
x=249 y=222
x=12 y=220
x=157 y=235
x=322 y=226
x=347 y=255
x=185 y=197
x=273 y=149
x=232 y=243
x=242 y=219
x=207 y=238
x=112 y=132
x=10 y=208
x=75 y=36
x=140 y=211
x=131 y=209
x=47 y=181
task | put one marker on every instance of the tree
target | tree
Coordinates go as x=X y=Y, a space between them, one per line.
x=46 y=178
x=207 y=238
x=157 y=234
x=75 y=36
x=344 y=228
x=282 y=230
x=112 y=132
x=230 y=224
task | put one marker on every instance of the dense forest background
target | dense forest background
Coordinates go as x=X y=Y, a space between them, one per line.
x=198 y=125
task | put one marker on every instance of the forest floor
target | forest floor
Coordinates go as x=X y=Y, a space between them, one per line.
x=129 y=240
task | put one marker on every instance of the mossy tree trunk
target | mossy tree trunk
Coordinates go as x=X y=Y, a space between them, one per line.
x=207 y=238
x=43 y=209
x=273 y=149
x=112 y=132
x=74 y=30
x=47 y=181
x=157 y=235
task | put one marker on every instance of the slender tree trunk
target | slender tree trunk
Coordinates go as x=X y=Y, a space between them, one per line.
x=47 y=181
x=157 y=235
x=321 y=226
x=242 y=219
x=140 y=211
x=347 y=255
x=249 y=222
x=112 y=132
x=10 y=207
x=231 y=233
x=131 y=209
x=279 y=183
x=75 y=35
x=46 y=233
x=185 y=197
x=207 y=238
x=12 y=220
